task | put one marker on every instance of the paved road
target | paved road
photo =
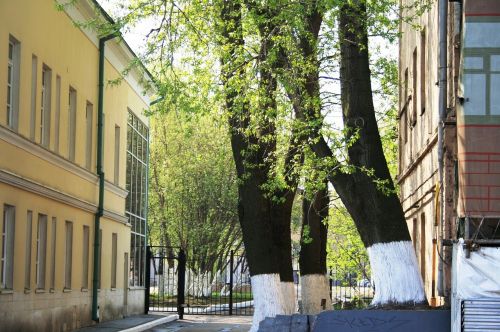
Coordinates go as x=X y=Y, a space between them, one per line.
x=206 y=324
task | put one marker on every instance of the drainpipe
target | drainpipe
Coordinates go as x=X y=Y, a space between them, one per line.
x=100 y=173
x=443 y=62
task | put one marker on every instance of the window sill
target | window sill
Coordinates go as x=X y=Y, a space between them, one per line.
x=134 y=288
x=67 y=290
x=52 y=290
x=85 y=290
x=113 y=289
x=39 y=291
x=6 y=291
x=27 y=291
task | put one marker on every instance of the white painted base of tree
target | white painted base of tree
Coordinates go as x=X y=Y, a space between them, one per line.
x=267 y=296
x=313 y=289
x=288 y=291
x=395 y=273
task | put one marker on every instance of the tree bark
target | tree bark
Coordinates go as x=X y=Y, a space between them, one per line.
x=315 y=289
x=375 y=209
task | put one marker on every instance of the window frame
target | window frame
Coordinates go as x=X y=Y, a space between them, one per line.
x=7 y=250
x=13 y=82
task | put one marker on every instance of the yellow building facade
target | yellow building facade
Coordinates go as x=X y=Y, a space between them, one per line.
x=49 y=181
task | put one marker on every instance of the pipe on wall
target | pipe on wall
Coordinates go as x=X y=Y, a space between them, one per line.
x=443 y=66
x=100 y=174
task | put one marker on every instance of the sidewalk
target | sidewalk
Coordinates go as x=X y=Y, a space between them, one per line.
x=135 y=323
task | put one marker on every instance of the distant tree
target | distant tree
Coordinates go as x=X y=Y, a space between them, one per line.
x=193 y=192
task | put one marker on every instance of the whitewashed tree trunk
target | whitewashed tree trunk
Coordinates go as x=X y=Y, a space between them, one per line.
x=288 y=290
x=315 y=291
x=268 y=298
x=395 y=273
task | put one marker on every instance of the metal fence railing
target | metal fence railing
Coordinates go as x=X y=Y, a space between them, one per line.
x=175 y=285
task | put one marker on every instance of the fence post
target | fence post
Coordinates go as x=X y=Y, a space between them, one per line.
x=231 y=261
x=147 y=281
x=181 y=282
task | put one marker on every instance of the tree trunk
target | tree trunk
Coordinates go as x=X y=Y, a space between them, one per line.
x=281 y=223
x=263 y=222
x=315 y=286
x=375 y=208
x=377 y=212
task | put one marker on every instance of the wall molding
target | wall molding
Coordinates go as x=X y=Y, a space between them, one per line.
x=117 y=190
x=39 y=189
x=37 y=150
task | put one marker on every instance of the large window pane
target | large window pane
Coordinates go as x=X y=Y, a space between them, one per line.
x=475 y=88
x=495 y=94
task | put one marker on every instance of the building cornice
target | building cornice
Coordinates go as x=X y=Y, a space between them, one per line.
x=17 y=181
x=115 y=189
x=41 y=152
x=118 y=54
x=31 y=147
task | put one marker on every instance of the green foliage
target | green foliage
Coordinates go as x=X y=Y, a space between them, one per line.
x=193 y=194
x=346 y=252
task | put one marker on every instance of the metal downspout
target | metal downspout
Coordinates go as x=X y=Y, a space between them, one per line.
x=443 y=62
x=100 y=173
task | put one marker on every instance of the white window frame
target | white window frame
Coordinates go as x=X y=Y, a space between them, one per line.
x=13 y=77
x=29 y=239
x=72 y=100
x=117 y=155
x=7 y=257
x=34 y=83
x=114 y=258
x=45 y=105
x=89 y=112
x=85 y=257
x=41 y=252
x=68 y=259
x=53 y=248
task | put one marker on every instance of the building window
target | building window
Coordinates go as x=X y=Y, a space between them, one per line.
x=422 y=245
x=114 y=244
x=41 y=251
x=57 y=123
x=423 y=71
x=7 y=259
x=13 y=82
x=413 y=114
x=135 y=205
x=85 y=257
x=53 y=254
x=29 y=240
x=88 y=144
x=68 y=261
x=34 y=75
x=117 y=155
x=71 y=123
x=45 y=106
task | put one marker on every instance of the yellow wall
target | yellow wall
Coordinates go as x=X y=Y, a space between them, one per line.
x=51 y=36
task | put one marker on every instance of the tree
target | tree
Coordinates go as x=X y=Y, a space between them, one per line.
x=366 y=187
x=315 y=288
x=193 y=195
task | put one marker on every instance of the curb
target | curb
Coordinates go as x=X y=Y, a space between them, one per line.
x=151 y=324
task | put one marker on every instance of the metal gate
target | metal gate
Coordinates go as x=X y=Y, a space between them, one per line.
x=177 y=284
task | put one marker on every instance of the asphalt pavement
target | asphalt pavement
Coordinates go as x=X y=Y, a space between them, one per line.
x=192 y=323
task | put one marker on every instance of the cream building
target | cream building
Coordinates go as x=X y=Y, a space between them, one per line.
x=469 y=194
x=50 y=170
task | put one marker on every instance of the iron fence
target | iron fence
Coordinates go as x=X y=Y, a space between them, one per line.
x=176 y=285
